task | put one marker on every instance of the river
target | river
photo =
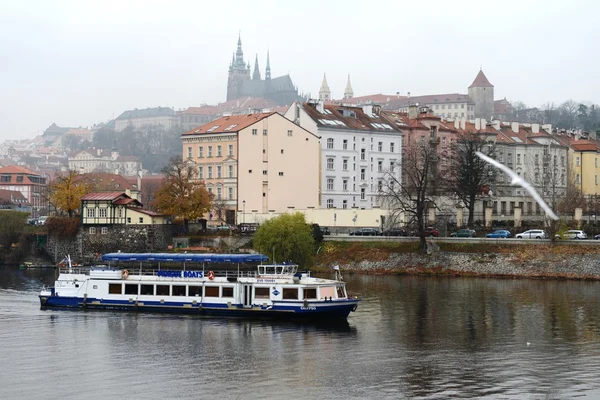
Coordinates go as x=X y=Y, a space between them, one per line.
x=411 y=338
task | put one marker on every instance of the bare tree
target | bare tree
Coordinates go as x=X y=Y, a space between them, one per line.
x=409 y=191
x=471 y=176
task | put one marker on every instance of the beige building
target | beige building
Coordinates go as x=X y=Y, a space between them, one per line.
x=452 y=105
x=101 y=211
x=256 y=163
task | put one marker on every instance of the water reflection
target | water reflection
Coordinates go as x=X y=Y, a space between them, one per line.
x=411 y=337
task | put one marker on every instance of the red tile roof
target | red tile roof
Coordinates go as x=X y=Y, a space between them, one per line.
x=481 y=81
x=584 y=145
x=104 y=196
x=229 y=124
x=15 y=169
x=375 y=98
x=402 y=102
x=337 y=116
x=232 y=105
x=148 y=212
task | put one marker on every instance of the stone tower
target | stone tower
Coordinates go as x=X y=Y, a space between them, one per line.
x=239 y=72
x=324 y=92
x=348 y=92
x=481 y=92
x=256 y=75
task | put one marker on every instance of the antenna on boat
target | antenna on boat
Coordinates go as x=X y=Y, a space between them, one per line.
x=338 y=273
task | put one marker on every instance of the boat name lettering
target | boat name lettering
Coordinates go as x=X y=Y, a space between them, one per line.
x=181 y=274
x=309 y=308
x=265 y=280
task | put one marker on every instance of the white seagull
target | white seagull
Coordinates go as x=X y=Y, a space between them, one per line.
x=517 y=180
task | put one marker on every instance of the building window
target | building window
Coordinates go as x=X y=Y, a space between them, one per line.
x=344 y=204
x=104 y=230
x=363 y=153
x=362 y=174
x=210 y=172
x=330 y=163
x=290 y=133
x=230 y=193
x=518 y=159
x=264 y=132
x=345 y=185
x=231 y=150
x=362 y=193
x=210 y=151
x=380 y=166
x=201 y=152
x=218 y=171
x=345 y=144
x=255 y=131
x=91 y=212
x=391 y=166
x=281 y=174
x=345 y=164
x=330 y=143
x=219 y=193
x=596 y=179
x=577 y=161
x=92 y=231
x=380 y=186
x=128 y=220
x=189 y=152
x=230 y=167
x=102 y=212
x=201 y=172
x=141 y=220
x=219 y=151
x=380 y=146
x=329 y=203
x=578 y=179
x=330 y=184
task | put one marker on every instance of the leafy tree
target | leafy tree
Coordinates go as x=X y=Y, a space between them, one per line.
x=65 y=193
x=471 y=175
x=181 y=194
x=410 y=191
x=286 y=238
x=12 y=224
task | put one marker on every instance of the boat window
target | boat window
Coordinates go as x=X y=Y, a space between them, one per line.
x=227 y=291
x=310 y=293
x=211 y=291
x=115 y=288
x=195 y=291
x=147 y=289
x=261 y=292
x=178 y=290
x=131 y=288
x=290 y=293
x=162 y=290
x=340 y=292
x=327 y=292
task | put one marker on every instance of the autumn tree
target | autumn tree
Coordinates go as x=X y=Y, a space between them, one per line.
x=410 y=190
x=286 y=238
x=471 y=176
x=182 y=195
x=65 y=193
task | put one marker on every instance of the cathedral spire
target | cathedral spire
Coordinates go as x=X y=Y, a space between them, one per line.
x=239 y=54
x=268 y=70
x=348 y=92
x=324 y=92
x=256 y=75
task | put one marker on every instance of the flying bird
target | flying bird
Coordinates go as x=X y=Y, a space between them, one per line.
x=517 y=180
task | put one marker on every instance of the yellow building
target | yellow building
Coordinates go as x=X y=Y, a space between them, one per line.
x=585 y=166
x=105 y=209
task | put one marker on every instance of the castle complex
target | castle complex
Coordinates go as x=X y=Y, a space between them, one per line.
x=240 y=84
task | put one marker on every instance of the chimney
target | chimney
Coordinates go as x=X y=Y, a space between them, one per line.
x=377 y=109
x=139 y=181
x=320 y=106
x=412 y=111
x=456 y=123
x=463 y=123
x=535 y=128
x=496 y=124
x=368 y=109
x=515 y=127
x=547 y=127
x=477 y=124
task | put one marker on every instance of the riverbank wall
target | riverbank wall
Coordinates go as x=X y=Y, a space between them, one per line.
x=555 y=261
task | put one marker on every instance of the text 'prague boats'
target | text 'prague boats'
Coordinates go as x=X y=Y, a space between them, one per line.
x=264 y=291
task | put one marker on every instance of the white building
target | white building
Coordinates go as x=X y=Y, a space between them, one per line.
x=158 y=116
x=358 y=147
x=97 y=160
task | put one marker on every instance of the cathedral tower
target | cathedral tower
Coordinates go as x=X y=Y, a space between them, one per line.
x=324 y=92
x=481 y=92
x=238 y=73
x=348 y=92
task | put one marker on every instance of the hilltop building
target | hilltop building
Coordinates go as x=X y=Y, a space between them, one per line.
x=157 y=116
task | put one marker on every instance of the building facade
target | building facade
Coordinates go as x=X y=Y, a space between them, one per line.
x=157 y=116
x=481 y=92
x=256 y=163
x=358 y=147
x=102 y=210
x=33 y=187
x=452 y=105
x=97 y=160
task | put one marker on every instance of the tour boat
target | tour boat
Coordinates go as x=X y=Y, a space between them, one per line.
x=262 y=291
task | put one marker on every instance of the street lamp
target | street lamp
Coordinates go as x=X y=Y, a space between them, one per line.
x=244 y=211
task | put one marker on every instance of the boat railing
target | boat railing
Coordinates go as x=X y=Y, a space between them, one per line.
x=187 y=273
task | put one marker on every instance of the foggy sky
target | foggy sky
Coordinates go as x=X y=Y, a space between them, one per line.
x=77 y=63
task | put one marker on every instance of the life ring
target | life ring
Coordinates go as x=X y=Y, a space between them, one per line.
x=125 y=274
x=210 y=275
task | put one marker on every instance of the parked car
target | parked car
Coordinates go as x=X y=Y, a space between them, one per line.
x=396 y=232
x=32 y=221
x=464 y=233
x=41 y=220
x=325 y=230
x=597 y=237
x=431 y=231
x=500 y=233
x=365 y=232
x=532 y=234
x=573 y=234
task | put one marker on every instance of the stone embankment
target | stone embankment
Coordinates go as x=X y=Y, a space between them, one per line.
x=546 y=261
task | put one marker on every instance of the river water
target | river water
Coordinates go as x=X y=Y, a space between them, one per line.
x=411 y=338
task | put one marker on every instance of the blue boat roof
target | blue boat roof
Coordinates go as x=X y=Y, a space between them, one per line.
x=185 y=257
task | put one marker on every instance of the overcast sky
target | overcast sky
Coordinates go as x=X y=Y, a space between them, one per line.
x=77 y=63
